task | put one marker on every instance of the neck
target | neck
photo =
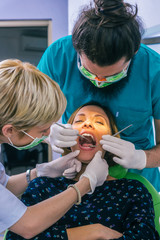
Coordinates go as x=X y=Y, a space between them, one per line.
x=109 y=178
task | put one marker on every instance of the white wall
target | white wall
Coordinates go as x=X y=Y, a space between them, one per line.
x=148 y=10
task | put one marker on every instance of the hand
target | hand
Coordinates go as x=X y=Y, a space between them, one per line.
x=126 y=154
x=93 y=232
x=61 y=138
x=96 y=171
x=67 y=166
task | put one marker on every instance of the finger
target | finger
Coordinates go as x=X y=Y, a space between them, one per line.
x=57 y=149
x=113 y=139
x=113 y=150
x=70 y=170
x=68 y=132
x=70 y=175
x=112 y=144
x=72 y=155
x=78 y=166
x=62 y=144
x=65 y=138
x=99 y=153
x=119 y=161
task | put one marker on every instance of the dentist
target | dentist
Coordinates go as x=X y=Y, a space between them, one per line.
x=30 y=102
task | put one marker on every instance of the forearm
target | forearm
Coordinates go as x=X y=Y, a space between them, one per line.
x=42 y=215
x=153 y=157
x=18 y=183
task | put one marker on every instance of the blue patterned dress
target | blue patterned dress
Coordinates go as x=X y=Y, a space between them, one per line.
x=123 y=205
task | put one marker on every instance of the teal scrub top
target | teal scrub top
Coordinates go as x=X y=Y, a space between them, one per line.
x=137 y=102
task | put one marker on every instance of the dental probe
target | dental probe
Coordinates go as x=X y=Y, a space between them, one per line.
x=59 y=124
x=121 y=130
x=115 y=134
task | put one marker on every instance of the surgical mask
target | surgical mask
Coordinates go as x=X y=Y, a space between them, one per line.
x=34 y=143
x=101 y=82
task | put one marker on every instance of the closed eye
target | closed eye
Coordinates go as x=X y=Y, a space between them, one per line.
x=77 y=121
x=99 y=122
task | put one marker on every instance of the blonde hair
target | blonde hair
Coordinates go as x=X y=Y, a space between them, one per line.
x=28 y=97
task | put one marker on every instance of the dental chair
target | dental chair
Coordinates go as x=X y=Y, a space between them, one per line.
x=118 y=172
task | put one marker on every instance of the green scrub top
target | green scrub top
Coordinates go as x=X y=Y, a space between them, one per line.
x=136 y=99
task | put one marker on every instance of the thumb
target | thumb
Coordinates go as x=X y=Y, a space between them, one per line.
x=72 y=155
x=98 y=154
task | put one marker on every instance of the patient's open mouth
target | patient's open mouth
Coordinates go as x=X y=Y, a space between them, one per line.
x=88 y=142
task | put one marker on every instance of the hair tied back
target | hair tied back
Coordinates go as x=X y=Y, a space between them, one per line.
x=105 y=11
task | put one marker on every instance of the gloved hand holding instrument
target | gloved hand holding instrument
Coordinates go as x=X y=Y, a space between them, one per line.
x=62 y=136
x=126 y=154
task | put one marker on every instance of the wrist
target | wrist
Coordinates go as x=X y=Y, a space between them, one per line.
x=142 y=159
x=83 y=185
x=33 y=174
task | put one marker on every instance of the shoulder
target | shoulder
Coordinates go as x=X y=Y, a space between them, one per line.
x=62 y=43
x=147 y=53
x=136 y=188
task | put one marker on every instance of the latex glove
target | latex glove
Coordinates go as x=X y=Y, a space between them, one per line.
x=61 y=138
x=126 y=154
x=96 y=171
x=57 y=168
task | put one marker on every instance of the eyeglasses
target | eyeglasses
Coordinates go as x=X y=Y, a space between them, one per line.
x=115 y=78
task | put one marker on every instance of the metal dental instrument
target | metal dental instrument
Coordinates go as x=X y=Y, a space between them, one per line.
x=59 y=124
x=122 y=130
x=115 y=134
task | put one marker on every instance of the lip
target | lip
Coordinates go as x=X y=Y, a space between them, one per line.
x=87 y=148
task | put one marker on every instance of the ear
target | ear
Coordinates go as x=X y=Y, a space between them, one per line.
x=8 y=130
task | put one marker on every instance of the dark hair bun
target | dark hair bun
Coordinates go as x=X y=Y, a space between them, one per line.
x=114 y=12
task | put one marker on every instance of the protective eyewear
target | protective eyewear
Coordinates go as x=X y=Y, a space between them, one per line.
x=111 y=79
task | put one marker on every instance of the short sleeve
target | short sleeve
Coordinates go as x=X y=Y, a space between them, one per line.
x=11 y=208
x=3 y=176
x=155 y=76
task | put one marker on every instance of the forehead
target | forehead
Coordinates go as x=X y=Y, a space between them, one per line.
x=105 y=70
x=92 y=110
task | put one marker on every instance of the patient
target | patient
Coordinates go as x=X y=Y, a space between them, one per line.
x=119 y=209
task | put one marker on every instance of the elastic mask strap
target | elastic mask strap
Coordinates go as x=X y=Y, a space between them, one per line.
x=10 y=141
x=28 y=134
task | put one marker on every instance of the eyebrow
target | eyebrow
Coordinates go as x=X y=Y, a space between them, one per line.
x=97 y=115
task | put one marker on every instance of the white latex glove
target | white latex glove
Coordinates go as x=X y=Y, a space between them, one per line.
x=96 y=171
x=61 y=138
x=127 y=155
x=57 y=167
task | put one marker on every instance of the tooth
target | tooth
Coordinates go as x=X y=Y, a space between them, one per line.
x=88 y=135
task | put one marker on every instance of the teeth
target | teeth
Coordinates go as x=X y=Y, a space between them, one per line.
x=88 y=135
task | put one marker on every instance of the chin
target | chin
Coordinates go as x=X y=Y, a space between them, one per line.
x=85 y=158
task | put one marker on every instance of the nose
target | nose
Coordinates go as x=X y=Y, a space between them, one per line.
x=100 y=78
x=88 y=124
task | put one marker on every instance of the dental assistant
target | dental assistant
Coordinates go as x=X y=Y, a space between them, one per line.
x=30 y=102
x=105 y=61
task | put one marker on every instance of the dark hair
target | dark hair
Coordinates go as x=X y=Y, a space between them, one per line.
x=107 y=32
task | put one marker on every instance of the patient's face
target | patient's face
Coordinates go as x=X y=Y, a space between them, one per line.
x=91 y=122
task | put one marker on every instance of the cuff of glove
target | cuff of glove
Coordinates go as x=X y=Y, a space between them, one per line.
x=92 y=181
x=142 y=159
x=40 y=170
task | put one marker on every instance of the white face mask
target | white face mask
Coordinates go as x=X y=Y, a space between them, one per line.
x=34 y=143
